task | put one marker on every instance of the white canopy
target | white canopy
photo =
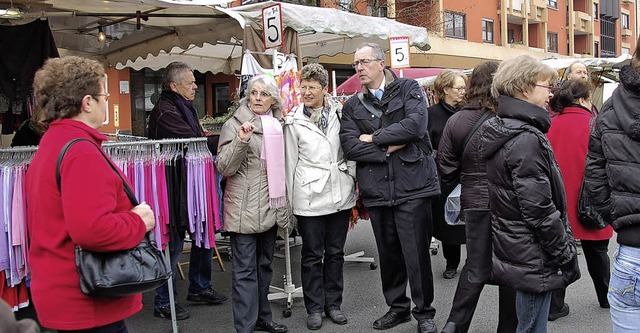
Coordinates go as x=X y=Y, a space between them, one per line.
x=203 y=33
x=322 y=31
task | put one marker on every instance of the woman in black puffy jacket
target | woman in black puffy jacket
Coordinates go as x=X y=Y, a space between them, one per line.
x=533 y=247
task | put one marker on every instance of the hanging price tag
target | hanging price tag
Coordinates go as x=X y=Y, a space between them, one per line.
x=399 y=52
x=272 y=26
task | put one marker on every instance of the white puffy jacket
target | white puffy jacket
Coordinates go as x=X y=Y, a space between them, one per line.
x=320 y=181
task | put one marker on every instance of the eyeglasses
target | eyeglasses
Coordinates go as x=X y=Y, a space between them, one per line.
x=106 y=96
x=460 y=88
x=544 y=86
x=310 y=88
x=362 y=62
x=262 y=94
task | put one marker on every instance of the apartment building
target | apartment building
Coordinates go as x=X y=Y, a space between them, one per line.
x=466 y=32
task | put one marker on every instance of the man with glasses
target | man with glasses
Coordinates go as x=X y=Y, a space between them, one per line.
x=175 y=116
x=384 y=130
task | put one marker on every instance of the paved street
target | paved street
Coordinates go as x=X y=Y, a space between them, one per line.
x=363 y=301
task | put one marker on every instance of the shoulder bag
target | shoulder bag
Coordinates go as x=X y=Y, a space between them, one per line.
x=587 y=214
x=119 y=273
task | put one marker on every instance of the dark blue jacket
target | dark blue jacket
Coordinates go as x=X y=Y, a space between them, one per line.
x=405 y=174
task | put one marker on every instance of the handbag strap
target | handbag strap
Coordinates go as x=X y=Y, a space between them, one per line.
x=66 y=147
x=475 y=127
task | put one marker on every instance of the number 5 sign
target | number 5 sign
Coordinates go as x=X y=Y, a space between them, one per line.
x=399 y=52
x=272 y=26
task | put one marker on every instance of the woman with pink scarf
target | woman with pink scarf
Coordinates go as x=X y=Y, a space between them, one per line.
x=251 y=158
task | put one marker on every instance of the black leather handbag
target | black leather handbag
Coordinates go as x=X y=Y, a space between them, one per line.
x=120 y=273
x=587 y=214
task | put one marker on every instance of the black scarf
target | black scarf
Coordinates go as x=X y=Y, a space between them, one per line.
x=187 y=110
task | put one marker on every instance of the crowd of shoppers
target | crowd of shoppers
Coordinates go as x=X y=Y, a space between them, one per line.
x=520 y=170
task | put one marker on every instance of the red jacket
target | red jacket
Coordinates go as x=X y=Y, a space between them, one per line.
x=569 y=137
x=93 y=211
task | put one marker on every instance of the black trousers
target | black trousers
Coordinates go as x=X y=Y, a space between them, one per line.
x=252 y=255
x=466 y=299
x=403 y=234
x=451 y=253
x=323 y=239
x=596 y=253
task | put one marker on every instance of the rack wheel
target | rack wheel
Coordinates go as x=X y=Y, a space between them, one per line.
x=434 y=251
x=286 y=313
x=373 y=266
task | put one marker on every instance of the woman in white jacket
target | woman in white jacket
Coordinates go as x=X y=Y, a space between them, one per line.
x=321 y=190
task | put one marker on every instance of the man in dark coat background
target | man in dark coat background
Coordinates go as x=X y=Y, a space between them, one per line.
x=384 y=130
x=175 y=116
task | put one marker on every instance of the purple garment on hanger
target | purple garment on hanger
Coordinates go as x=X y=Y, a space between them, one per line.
x=4 y=232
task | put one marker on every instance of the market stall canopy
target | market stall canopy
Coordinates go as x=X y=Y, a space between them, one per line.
x=322 y=31
x=177 y=29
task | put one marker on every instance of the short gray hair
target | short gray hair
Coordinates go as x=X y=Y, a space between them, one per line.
x=378 y=53
x=272 y=88
x=520 y=74
x=315 y=72
x=173 y=73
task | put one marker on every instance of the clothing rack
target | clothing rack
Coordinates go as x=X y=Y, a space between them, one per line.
x=136 y=141
x=27 y=149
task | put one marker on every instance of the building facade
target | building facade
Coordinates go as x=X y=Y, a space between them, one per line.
x=466 y=32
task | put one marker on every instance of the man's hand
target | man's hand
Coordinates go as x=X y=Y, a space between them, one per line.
x=245 y=131
x=366 y=138
x=393 y=148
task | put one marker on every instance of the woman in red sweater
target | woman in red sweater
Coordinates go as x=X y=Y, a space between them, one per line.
x=91 y=210
x=569 y=138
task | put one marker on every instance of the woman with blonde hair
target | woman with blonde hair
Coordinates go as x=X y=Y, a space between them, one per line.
x=449 y=88
x=533 y=247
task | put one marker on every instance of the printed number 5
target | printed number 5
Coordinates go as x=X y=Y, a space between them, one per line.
x=400 y=54
x=271 y=25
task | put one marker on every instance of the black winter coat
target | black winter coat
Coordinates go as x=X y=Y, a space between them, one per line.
x=166 y=122
x=406 y=174
x=468 y=168
x=439 y=114
x=613 y=160
x=533 y=245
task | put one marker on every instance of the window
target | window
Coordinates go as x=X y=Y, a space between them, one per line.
x=552 y=41
x=454 y=25
x=511 y=36
x=220 y=98
x=595 y=11
x=552 y=3
x=377 y=11
x=487 y=31
x=345 y=5
x=607 y=37
x=624 y=21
